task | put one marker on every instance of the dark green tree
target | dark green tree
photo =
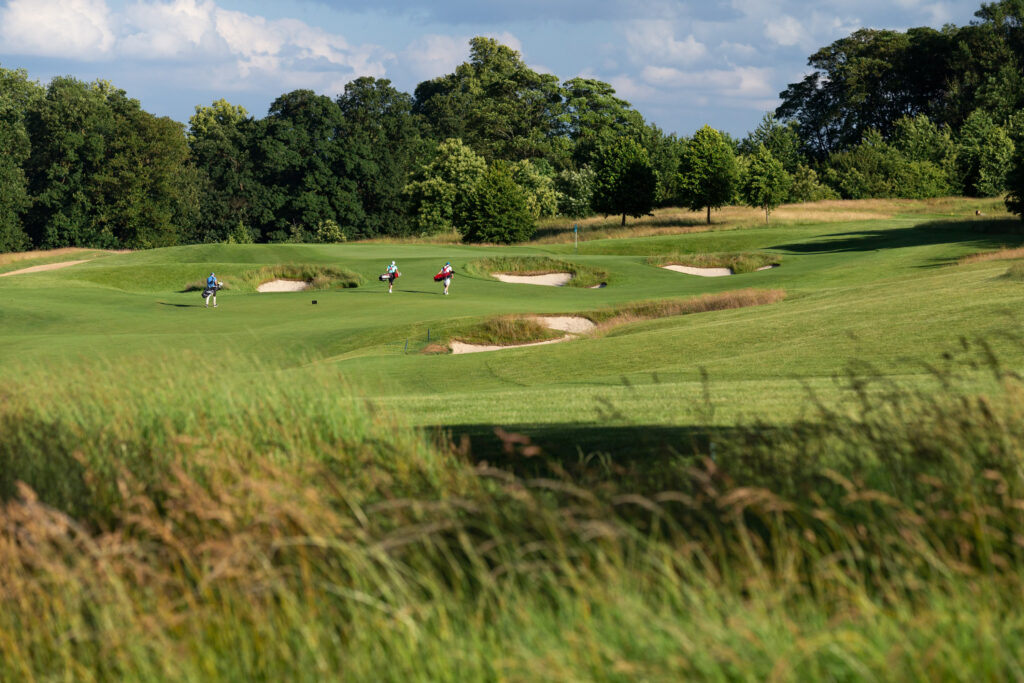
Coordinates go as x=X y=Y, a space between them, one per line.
x=380 y=147
x=593 y=118
x=624 y=181
x=983 y=154
x=495 y=104
x=765 y=183
x=497 y=210
x=17 y=95
x=220 y=137
x=104 y=173
x=708 y=173
x=297 y=154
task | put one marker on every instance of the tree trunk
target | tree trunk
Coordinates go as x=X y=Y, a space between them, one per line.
x=766 y=214
x=623 y=220
x=709 y=214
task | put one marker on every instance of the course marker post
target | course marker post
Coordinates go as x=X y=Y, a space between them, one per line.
x=406 y=346
x=576 y=235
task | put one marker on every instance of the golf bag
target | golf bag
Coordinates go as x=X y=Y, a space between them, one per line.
x=442 y=275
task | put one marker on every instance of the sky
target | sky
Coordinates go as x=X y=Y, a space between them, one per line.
x=681 y=64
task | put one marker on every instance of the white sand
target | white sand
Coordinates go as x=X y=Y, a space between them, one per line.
x=769 y=267
x=462 y=347
x=703 y=272
x=567 y=323
x=48 y=266
x=283 y=286
x=572 y=324
x=549 y=279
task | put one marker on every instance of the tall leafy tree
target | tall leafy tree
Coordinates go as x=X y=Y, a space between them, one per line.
x=593 y=118
x=105 y=173
x=219 y=137
x=495 y=104
x=983 y=154
x=497 y=210
x=624 y=181
x=17 y=94
x=380 y=148
x=439 y=190
x=707 y=171
x=297 y=156
x=765 y=182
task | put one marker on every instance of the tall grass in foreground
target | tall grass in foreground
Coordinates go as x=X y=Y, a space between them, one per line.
x=177 y=526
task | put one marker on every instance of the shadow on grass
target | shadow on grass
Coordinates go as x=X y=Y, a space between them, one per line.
x=983 y=234
x=530 y=450
x=164 y=303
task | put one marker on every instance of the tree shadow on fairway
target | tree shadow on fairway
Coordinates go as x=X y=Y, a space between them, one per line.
x=981 y=234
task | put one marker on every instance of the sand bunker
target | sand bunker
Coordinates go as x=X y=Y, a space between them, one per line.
x=462 y=347
x=48 y=266
x=549 y=279
x=567 y=323
x=769 y=266
x=283 y=286
x=703 y=272
x=572 y=324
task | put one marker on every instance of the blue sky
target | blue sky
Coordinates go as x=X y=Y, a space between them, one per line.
x=681 y=64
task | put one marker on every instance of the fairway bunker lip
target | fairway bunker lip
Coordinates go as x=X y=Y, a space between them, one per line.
x=702 y=272
x=281 y=285
x=546 y=279
x=574 y=325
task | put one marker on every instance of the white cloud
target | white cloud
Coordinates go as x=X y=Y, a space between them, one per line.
x=80 y=29
x=162 y=30
x=784 y=30
x=656 y=40
x=435 y=55
x=742 y=81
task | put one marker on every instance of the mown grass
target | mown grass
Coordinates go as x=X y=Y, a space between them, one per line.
x=220 y=530
x=583 y=275
x=742 y=262
x=317 y=277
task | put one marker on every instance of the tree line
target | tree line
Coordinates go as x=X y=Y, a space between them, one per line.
x=494 y=146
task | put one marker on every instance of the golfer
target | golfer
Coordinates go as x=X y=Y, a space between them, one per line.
x=212 y=285
x=447 y=273
x=392 y=272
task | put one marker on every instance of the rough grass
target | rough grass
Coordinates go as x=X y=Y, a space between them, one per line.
x=505 y=330
x=607 y=318
x=316 y=276
x=742 y=262
x=237 y=542
x=676 y=220
x=582 y=275
x=1000 y=255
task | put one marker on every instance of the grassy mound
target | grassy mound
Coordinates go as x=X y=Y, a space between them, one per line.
x=582 y=275
x=665 y=308
x=746 y=262
x=505 y=330
x=318 y=277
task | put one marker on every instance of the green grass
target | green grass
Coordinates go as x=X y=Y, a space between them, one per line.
x=824 y=487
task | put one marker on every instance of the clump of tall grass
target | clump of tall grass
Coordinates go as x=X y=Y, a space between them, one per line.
x=614 y=316
x=582 y=275
x=315 y=276
x=1007 y=254
x=279 y=529
x=504 y=330
x=737 y=262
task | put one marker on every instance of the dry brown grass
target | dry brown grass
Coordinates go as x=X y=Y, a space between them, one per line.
x=1001 y=255
x=676 y=220
x=15 y=257
x=608 y=318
